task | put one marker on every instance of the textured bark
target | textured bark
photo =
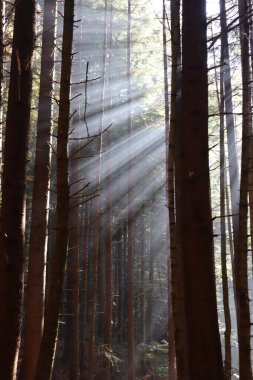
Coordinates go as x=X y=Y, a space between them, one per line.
x=38 y=234
x=130 y=226
x=73 y=266
x=150 y=286
x=58 y=259
x=97 y=258
x=84 y=293
x=225 y=289
x=230 y=126
x=202 y=343
x=120 y=287
x=109 y=262
x=2 y=13
x=143 y=277
x=241 y=257
x=250 y=179
x=177 y=327
x=12 y=229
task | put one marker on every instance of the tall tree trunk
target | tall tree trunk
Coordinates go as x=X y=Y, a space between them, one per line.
x=250 y=179
x=109 y=263
x=227 y=333
x=58 y=260
x=230 y=127
x=120 y=268
x=73 y=268
x=2 y=9
x=241 y=257
x=150 y=287
x=84 y=290
x=194 y=216
x=12 y=229
x=130 y=225
x=38 y=234
x=177 y=327
x=143 y=277
x=97 y=257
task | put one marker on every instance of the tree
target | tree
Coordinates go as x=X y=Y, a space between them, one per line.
x=194 y=212
x=130 y=216
x=12 y=231
x=58 y=260
x=240 y=258
x=38 y=234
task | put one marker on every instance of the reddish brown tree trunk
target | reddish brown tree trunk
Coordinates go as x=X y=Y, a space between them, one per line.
x=58 y=259
x=109 y=261
x=12 y=229
x=38 y=234
x=73 y=266
x=241 y=257
x=194 y=217
x=176 y=326
x=130 y=226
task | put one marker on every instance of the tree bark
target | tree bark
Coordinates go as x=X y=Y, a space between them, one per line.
x=177 y=327
x=225 y=289
x=58 y=260
x=38 y=234
x=73 y=267
x=241 y=257
x=12 y=229
x=230 y=127
x=109 y=259
x=194 y=216
x=130 y=226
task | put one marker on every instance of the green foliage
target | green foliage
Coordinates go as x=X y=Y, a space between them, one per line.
x=153 y=359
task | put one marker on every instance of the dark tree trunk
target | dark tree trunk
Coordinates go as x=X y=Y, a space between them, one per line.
x=73 y=265
x=230 y=127
x=38 y=234
x=241 y=257
x=12 y=229
x=193 y=194
x=177 y=326
x=2 y=8
x=58 y=259
x=109 y=261
x=130 y=225
x=83 y=356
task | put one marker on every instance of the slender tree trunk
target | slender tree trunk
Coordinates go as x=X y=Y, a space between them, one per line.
x=38 y=234
x=130 y=226
x=227 y=333
x=58 y=260
x=250 y=189
x=97 y=205
x=73 y=268
x=143 y=277
x=120 y=267
x=12 y=229
x=194 y=216
x=109 y=263
x=177 y=327
x=150 y=288
x=2 y=9
x=230 y=127
x=241 y=257
x=84 y=290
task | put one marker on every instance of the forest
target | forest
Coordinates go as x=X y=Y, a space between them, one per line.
x=126 y=189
